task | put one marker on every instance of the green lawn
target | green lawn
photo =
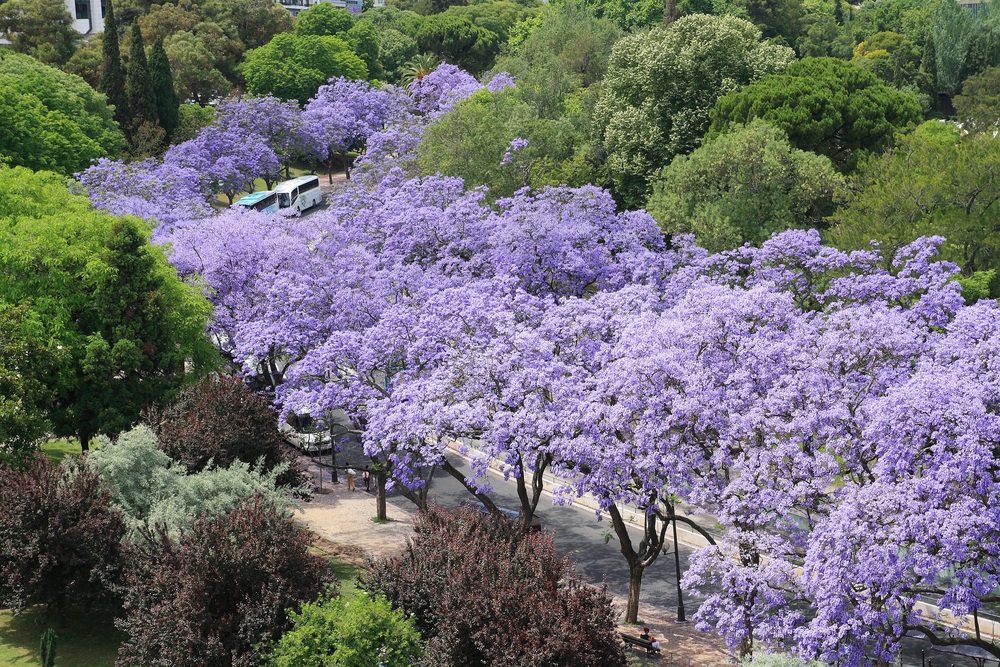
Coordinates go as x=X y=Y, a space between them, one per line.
x=89 y=640
x=57 y=450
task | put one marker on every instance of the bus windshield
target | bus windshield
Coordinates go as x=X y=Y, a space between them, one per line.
x=284 y=199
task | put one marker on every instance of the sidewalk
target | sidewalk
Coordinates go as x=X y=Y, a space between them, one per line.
x=344 y=518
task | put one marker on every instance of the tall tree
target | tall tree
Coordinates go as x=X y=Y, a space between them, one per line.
x=138 y=84
x=824 y=105
x=164 y=94
x=125 y=321
x=112 y=73
x=742 y=188
x=42 y=29
x=52 y=120
x=660 y=86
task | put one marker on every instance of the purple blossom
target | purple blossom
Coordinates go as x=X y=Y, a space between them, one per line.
x=516 y=144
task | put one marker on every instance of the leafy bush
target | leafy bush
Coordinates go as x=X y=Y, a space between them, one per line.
x=483 y=593
x=348 y=633
x=59 y=537
x=213 y=596
x=153 y=490
x=222 y=421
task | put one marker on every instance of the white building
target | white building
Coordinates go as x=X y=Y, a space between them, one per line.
x=88 y=15
x=353 y=6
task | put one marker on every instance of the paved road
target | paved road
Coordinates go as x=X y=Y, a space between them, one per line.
x=578 y=533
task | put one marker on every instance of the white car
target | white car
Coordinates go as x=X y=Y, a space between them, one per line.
x=301 y=432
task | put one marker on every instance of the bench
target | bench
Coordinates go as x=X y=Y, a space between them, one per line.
x=638 y=642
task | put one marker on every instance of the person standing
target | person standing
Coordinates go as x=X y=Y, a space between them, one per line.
x=367 y=479
x=350 y=479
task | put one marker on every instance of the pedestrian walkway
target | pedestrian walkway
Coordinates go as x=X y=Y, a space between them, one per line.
x=344 y=518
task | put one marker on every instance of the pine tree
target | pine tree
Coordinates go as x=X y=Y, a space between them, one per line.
x=167 y=102
x=141 y=99
x=838 y=12
x=112 y=82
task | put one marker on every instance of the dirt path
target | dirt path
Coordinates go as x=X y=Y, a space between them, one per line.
x=343 y=519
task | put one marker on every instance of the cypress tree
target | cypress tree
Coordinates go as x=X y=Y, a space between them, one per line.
x=112 y=82
x=167 y=102
x=838 y=12
x=141 y=99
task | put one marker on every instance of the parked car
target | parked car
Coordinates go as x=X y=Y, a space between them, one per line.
x=304 y=433
x=513 y=515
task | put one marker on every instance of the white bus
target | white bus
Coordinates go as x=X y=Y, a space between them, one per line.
x=265 y=201
x=300 y=193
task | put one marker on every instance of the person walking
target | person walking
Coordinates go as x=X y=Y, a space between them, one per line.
x=367 y=479
x=350 y=479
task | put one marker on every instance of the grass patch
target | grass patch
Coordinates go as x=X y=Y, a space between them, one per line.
x=347 y=577
x=57 y=450
x=375 y=519
x=89 y=640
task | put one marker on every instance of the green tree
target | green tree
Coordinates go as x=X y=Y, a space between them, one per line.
x=565 y=50
x=27 y=363
x=824 y=105
x=50 y=119
x=472 y=139
x=125 y=321
x=459 y=41
x=394 y=50
x=193 y=66
x=112 y=73
x=742 y=188
x=891 y=57
x=951 y=28
x=167 y=102
x=660 y=86
x=139 y=84
x=356 y=632
x=933 y=182
x=42 y=29
x=978 y=106
x=323 y=19
x=293 y=68
x=192 y=117
x=363 y=40
x=255 y=22
x=776 y=19
x=87 y=61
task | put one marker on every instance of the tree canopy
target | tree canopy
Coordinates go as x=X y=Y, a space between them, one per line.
x=42 y=29
x=293 y=67
x=824 y=105
x=125 y=322
x=931 y=184
x=52 y=120
x=660 y=86
x=742 y=187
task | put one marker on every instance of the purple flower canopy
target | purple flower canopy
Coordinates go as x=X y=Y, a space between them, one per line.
x=838 y=416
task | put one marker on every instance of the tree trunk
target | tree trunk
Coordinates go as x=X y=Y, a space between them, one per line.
x=380 y=512
x=638 y=559
x=85 y=442
x=530 y=503
x=669 y=12
x=481 y=497
x=347 y=167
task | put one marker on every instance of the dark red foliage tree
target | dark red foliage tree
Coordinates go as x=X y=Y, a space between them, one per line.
x=60 y=538
x=212 y=596
x=221 y=420
x=485 y=594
